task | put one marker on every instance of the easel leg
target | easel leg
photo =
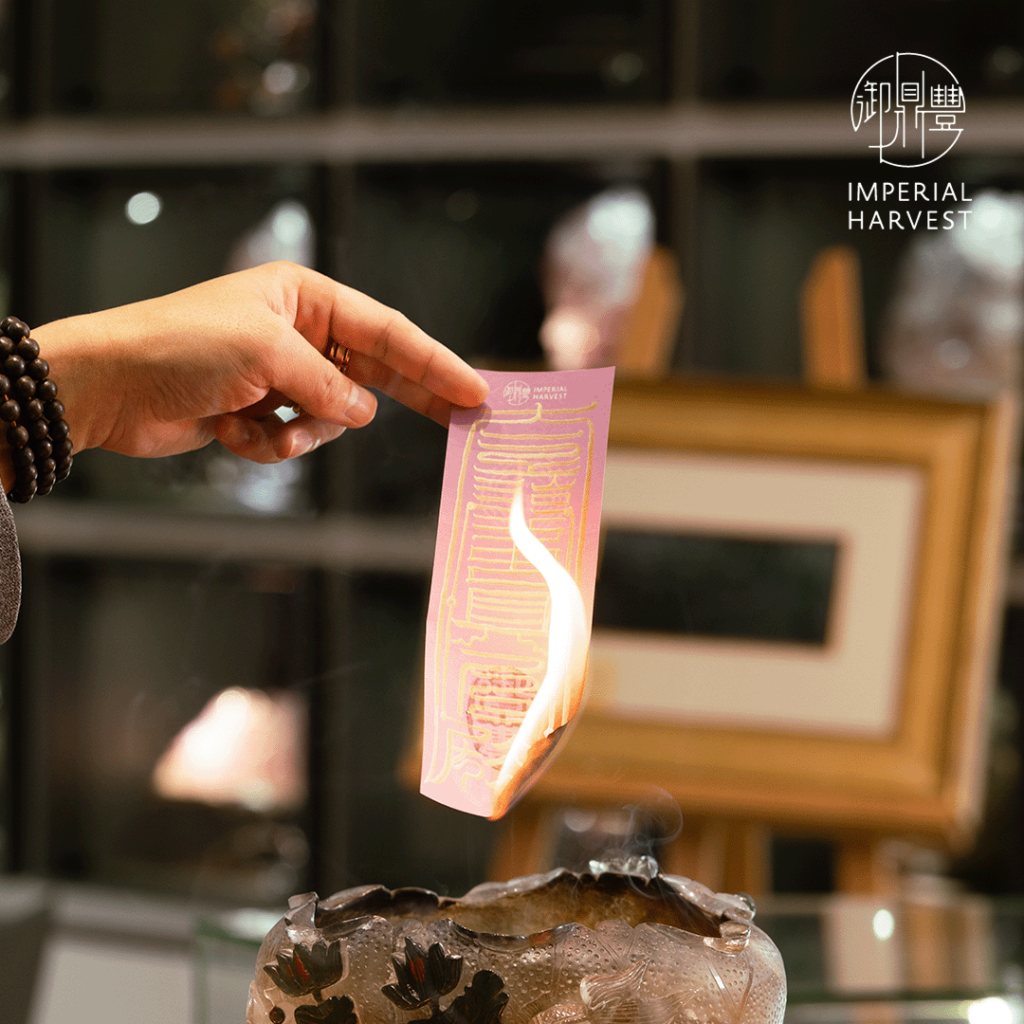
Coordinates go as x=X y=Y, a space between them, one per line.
x=525 y=842
x=727 y=856
x=865 y=866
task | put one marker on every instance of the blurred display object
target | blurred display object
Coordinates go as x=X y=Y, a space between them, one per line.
x=594 y=266
x=244 y=748
x=263 y=57
x=955 y=323
x=286 y=233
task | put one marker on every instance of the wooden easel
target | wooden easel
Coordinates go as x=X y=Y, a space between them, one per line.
x=832 y=320
x=733 y=855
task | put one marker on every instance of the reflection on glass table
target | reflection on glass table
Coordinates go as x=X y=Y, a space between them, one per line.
x=870 y=960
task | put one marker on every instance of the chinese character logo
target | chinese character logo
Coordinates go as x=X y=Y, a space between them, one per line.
x=516 y=392
x=909 y=102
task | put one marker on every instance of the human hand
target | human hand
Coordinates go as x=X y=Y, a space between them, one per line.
x=170 y=374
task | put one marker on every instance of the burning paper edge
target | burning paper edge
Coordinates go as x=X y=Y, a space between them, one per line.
x=560 y=694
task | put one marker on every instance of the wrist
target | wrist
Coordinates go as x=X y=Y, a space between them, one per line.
x=66 y=344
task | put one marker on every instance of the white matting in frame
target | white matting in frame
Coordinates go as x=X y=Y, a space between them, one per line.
x=851 y=684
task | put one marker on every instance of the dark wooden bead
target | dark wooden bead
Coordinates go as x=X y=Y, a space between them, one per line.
x=28 y=349
x=276 y=1015
x=28 y=472
x=44 y=487
x=63 y=449
x=24 y=490
x=54 y=409
x=46 y=466
x=38 y=368
x=10 y=410
x=17 y=436
x=43 y=449
x=62 y=470
x=14 y=367
x=46 y=390
x=14 y=328
x=32 y=409
x=25 y=387
x=59 y=429
x=23 y=456
x=38 y=429
x=7 y=346
x=5 y=386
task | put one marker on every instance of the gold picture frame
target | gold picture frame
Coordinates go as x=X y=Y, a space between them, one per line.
x=913 y=765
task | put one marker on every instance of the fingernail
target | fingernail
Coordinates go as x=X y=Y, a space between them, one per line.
x=241 y=432
x=302 y=442
x=361 y=411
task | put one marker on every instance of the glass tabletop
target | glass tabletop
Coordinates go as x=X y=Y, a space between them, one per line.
x=871 y=960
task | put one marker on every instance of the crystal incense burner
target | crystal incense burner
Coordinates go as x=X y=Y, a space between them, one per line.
x=612 y=947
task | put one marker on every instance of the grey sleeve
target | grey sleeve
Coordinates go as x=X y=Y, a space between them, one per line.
x=10 y=571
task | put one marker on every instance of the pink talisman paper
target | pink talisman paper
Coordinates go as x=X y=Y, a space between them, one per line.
x=511 y=600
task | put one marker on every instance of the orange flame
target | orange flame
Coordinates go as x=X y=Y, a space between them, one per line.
x=560 y=695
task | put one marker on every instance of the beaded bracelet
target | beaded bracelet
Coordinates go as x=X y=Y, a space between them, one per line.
x=37 y=432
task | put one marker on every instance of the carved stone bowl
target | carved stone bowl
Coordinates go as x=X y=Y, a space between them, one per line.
x=614 y=947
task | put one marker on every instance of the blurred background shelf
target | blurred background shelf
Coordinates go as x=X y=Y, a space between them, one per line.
x=690 y=130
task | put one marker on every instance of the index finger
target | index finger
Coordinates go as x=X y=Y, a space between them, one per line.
x=367 y=326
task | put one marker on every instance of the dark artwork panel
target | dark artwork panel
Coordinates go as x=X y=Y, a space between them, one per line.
x=716 y=586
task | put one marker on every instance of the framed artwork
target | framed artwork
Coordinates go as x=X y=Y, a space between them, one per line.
x=796 y=606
